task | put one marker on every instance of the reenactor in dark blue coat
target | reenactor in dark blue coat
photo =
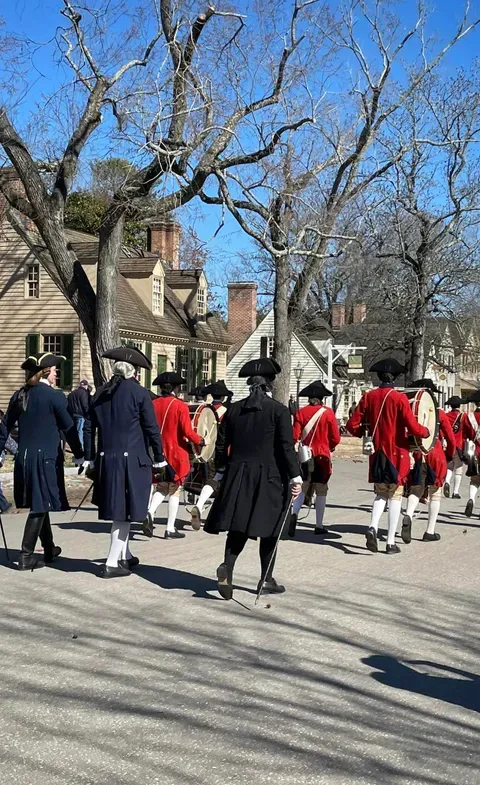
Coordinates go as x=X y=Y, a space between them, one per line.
x=38 y=480
x=122 y=415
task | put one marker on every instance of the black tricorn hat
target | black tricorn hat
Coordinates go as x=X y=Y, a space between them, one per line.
x=129 y=354
x=198 y=392
x=474 y=397
x=169 y=377
x=455 y=401
x=35 y=362
x=264 y=366
x=388 y=365
x=429 y=384
x=315 y=390
x=217 y=389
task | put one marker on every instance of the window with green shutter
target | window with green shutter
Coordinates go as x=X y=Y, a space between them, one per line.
x=264 y=346
x=65 y=376
x=161 y=366
x=214 y=367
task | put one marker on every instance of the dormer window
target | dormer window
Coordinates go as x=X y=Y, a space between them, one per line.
x=201 y=301
x=32 y=280
x=157 y=296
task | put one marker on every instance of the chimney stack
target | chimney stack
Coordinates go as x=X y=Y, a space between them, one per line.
x=359 y=313
x=338 y=316
x=163 y=237
x=242 y=311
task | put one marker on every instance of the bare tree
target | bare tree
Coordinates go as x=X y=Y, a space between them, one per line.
x=292 y=210
x=183 y=95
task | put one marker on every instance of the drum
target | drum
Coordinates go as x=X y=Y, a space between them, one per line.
x=425 y=410
x=205 y=423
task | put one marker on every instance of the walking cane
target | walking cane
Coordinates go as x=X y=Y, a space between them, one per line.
x=282 y=527
x=77 y=509
x=4 y=539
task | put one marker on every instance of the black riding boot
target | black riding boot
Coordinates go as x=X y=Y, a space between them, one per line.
x=33 y=526
x=50 y=550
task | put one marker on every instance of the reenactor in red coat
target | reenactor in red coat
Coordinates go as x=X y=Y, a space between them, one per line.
x=471 y=432
x=173 y=418
x=220 y=393
x=316 y=428
x=455 y=468
x=429 y=472
x=386 y=415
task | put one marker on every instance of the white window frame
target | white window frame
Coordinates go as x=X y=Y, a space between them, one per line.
x=201 y=301
x=157 y=296
x=271 y=345
x=32 y=266
x=206 y=366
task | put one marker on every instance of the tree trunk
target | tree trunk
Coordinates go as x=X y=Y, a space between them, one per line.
x=417 y=356
x=106 y=323
x=283 y=329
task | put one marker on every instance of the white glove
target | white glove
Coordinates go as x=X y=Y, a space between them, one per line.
x=218 y=476
x=296 y=487
x=160 y=465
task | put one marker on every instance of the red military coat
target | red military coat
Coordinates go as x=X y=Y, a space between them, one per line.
x=438 y=457
x=468 y=430
x=321 y=439
x=457 y=423
x=390 y=463
x=176 y=429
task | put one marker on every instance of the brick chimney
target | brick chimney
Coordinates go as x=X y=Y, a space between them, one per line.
x=359 y=313
x=242 y=311
x=163 y=237
x=338 y=316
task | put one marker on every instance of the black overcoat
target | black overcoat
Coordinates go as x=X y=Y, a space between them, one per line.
x=255 y=447
x=38 y=477
x=126 y=427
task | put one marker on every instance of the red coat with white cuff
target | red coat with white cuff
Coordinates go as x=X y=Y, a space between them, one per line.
x=390 y=463
x=457 y=423
x=438 y=457
x=322 y=438
x=173 y=418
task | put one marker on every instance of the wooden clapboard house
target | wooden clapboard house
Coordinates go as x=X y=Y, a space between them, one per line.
x=162 y=310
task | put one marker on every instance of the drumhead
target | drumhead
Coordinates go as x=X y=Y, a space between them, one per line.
x=425 y=410
x=205 y=424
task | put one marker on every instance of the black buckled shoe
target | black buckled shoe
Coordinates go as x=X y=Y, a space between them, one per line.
x=114 y=572
x=372 y=542
x=456 y=496
x=319 y=530
x=176 y=535
x=224 y=581
x=393 y=549
x=292 y=527
x=271 y=587
x=147 y=526
x=196 y=521
x=469 y=508
x=51 y=554
x=446 y=490
x=129 y=564
x=406 y=533
x=431 y=537
x=28 y=563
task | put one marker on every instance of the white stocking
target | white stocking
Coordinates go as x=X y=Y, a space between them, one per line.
x=457 y=481
x=394 y=509
x=155 y=503
x=118 y=540
x=412 y=504
x=433 y=510
x=377 y=511
x=173 y=504
x=297 y=504
x=448 y=478
x=320 y=504
x=205 y=494
x=472 y=492
x=126 y=552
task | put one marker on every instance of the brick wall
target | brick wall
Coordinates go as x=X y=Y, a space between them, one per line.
x=163 y=237
x=242 y=311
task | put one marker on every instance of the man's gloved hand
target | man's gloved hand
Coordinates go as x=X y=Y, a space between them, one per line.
x=218 y=476
x=160 y=465
x=296 y=487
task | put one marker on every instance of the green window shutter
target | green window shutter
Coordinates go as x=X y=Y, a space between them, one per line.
x=32 y=344
x=179 y=356
x=199 y=368
x=66 y=368
x=192 y=369
x=161 y=363
x=264 y=346
x=214 y=367
x=148 y=374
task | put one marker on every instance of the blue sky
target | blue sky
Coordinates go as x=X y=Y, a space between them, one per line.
x=38 y=19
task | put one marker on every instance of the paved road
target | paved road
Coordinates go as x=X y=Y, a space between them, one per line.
x=365 y=673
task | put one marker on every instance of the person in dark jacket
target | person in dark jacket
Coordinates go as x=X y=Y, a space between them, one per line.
x=78 y=402
x=259 y=471
x=122 y=415
x=11 y=446
x=41 y=414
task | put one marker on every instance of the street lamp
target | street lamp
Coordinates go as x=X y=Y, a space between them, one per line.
x=298 y=371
